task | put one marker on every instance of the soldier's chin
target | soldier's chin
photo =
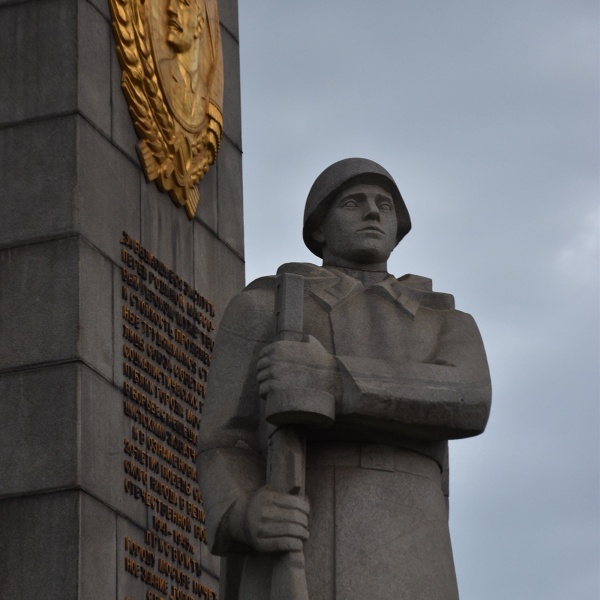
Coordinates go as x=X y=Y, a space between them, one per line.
x=176 y=43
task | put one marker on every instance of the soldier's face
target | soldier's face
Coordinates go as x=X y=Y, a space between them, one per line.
x=360 y=226
x=182 y=24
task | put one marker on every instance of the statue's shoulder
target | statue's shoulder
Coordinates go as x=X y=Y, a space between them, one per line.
x=421 y=288
x=307 y=270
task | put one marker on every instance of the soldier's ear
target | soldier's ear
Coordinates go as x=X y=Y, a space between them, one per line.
x=200 y=26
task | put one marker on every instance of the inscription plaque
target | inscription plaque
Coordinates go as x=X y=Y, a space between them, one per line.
x=167 y=343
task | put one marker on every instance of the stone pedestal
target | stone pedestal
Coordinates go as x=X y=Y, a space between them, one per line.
x=100 y=392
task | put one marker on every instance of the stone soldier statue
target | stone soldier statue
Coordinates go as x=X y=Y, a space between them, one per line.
x=406 y=371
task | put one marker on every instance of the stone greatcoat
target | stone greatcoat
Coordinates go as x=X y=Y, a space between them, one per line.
x=414 y=375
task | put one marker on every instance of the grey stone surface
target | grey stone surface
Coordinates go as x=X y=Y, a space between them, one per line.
x=123 y=133
x=228 y=15
x=108 y=195
x=41 y=295
x=37 y=178
x=39 y=553
x=102 y=7
x=38 y=59
x=207 y=211
x=95 y=309
x=59 y=296
x=117 y=327
x=98 y=551
x=232 y=119
x=391 y=523
x=320 y=489
x=229 y=182
x=406 y=372
x=213 y=259
x=93 y=75
x=104 y=427
x=167 y=231
x=38 y=423
x=128 y=584
x=211 y=564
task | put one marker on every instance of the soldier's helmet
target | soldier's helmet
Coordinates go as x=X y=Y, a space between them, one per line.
x=342 y=175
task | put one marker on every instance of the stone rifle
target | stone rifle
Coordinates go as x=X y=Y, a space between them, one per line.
x=290 y=411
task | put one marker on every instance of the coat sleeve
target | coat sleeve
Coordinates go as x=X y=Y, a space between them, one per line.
x=231 y=461
x=447 y=396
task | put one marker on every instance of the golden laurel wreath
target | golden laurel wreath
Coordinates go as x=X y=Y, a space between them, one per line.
x=177 y=142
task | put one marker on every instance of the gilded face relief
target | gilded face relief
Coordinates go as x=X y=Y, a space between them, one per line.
x=172 y=75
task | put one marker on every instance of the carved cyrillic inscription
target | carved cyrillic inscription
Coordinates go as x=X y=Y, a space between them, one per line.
x=167 y=340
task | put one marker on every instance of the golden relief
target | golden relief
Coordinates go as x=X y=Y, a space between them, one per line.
x=172 y=76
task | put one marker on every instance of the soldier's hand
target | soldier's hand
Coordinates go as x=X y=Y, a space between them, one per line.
x=271 y=521
x=283 y=365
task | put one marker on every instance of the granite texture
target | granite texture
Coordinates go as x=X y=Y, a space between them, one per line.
x=108 y=192
x=98 y=550
x=228 y=15
x=229 y=182
x=72 y=183
x=95 y=309
x=38 y=59
x=232 y=118
x=208 y=207
x=93 y=67
x=128 y=584
x=52 y=292
x=123 y=134
x=213 y=259
x=103 y=428
x=403 y=372
x=40 y=543
x=41 y=295
x=167 y=231
x=38 y=422
x=38 y=179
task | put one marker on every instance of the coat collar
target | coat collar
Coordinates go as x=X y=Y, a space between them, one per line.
x=332 y=287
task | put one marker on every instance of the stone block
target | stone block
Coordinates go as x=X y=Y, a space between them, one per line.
x=232 y=115
x=117 y=328
x=230 y=207
x=228 y=15
x=40 y=294
x=59 y=296
x=207 y=211
x=38 y=59
x=123 y=132
x=38 y=172
x=212 y=583
x=98 y=551
x=212 y=260
x=167 y=231
x=129 y=583
x=39 y=553
x=102 y=7
x=95 y=310
x=108 y=196
x=104 y=427
x=93 y=74
x=39 y=431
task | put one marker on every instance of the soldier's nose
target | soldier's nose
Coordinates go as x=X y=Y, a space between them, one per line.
x=371 y=210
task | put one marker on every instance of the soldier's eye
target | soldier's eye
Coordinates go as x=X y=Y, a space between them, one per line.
x=385 y=206
x=349 y=204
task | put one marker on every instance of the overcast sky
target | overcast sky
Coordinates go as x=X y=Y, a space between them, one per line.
x=487 y=115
